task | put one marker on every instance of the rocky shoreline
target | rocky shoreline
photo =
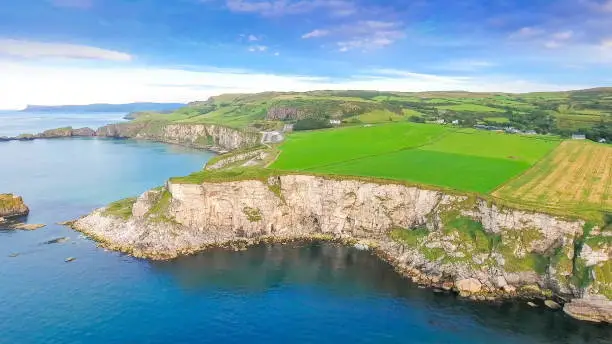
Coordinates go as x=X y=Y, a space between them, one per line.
x=449 y=242
x=204 y=136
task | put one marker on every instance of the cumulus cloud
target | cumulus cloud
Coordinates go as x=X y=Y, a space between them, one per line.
x=32 y=49
x=290 y=7
x=36 y=83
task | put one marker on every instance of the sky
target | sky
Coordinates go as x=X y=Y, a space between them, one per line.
x=56 y=52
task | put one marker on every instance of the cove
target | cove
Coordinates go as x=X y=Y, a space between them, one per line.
x=270 y=293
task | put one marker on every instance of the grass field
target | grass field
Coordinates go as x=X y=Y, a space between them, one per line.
x=466 y=160
x=576 y=176
x=380 y=116
x=306 y=150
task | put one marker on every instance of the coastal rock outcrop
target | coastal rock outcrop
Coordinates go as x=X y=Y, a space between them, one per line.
x=479 y=248
x=208 y=136
x=12 y=206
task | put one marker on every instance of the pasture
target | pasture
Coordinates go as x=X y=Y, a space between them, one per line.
x=576 y=176
x=466 y=160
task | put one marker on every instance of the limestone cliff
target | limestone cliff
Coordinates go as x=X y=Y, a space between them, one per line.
x=481 y=249
x=208 y=136
x=11 y=206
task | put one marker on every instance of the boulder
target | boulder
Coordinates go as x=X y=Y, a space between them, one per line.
x=27 y=226
x=469 y=285
x=594 y=308
x=552 y=304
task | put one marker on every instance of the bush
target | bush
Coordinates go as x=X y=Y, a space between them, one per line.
x=311 y=124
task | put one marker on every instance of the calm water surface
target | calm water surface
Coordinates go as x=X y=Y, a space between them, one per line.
x=15 y=123
x=268 y=294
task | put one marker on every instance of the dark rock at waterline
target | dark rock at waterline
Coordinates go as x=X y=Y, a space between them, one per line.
x=56 y=241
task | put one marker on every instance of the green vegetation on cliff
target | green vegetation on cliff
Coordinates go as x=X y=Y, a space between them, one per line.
x=121 y=208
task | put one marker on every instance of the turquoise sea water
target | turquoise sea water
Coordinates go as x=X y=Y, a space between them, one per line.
x=319 y=293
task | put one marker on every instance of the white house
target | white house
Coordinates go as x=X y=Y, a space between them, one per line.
x=335 y=122
x=602 y=141
x=578 y=137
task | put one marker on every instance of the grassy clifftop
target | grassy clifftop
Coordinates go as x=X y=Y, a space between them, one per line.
x=589 y=111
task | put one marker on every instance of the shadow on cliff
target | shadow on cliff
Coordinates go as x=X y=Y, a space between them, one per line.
x=349 y=273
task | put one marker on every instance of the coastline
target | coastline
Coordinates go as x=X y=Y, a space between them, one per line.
x=184 y=219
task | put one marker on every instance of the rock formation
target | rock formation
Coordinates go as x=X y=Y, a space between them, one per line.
x=208 y=136
x=482 y=250
x=12 y=206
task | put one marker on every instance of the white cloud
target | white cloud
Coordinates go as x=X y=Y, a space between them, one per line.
x=467 y=65
x=315 y=33
x=289 y=7
x=252 y=38
x=31 y=49
x=527 y=32
x=364 y=34
x=258 y=48
x=563 y=35
x=25 y=83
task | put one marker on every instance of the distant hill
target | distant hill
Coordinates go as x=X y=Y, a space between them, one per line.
x=131 y=107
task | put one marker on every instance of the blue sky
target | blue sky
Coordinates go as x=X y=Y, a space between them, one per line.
x=80 y=51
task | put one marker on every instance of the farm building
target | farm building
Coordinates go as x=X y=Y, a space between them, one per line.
x=335 y=122
x=578 y=137
x=602 y=141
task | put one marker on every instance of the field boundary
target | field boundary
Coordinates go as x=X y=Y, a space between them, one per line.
x=534 y=165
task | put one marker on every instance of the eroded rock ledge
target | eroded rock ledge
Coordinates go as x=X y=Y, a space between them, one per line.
x=480 y=249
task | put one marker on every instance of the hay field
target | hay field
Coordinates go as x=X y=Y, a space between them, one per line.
x=576 y=176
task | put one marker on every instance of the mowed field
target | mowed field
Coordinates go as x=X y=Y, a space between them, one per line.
x=466 y=160
x=576 y=176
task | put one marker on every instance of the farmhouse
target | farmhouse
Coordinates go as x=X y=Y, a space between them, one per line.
x=335 y=122
x=602 y=141
x=578 y=137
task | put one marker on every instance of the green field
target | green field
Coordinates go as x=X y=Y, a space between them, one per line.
x=304 y=150
x=379 y=116
x=466 y=160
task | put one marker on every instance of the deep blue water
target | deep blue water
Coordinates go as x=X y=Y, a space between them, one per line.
x=268 y=294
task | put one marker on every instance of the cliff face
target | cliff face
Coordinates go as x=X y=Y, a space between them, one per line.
x=207 y=136
x=479 y=247
x=11 y=205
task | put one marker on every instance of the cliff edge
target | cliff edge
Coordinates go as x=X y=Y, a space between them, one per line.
x=482 y=250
